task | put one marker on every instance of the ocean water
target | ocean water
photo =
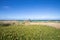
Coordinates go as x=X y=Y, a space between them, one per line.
x=41 y=21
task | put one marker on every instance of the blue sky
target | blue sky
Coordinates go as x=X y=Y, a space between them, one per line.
x=29 y=9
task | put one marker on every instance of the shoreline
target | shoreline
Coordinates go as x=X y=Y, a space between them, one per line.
x=53 y=24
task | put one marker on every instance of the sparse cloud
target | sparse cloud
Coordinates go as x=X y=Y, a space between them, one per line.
x=48 y=17
x=6 y=7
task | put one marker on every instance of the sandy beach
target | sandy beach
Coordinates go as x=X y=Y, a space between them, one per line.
x=56 y=25
x=53 y=24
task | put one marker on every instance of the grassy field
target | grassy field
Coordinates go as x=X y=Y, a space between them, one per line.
x=29 y=32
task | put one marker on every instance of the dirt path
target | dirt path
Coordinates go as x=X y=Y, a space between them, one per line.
x=56 y=25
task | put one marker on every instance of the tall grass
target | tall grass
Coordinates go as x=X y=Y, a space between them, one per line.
x=29 y=32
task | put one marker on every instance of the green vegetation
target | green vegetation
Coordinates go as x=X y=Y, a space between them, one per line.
x=29 y=32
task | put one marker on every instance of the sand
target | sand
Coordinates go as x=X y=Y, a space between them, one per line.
x=53 y=24
x=56 y=25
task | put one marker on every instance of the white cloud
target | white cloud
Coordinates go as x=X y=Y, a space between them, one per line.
x=48 y=17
